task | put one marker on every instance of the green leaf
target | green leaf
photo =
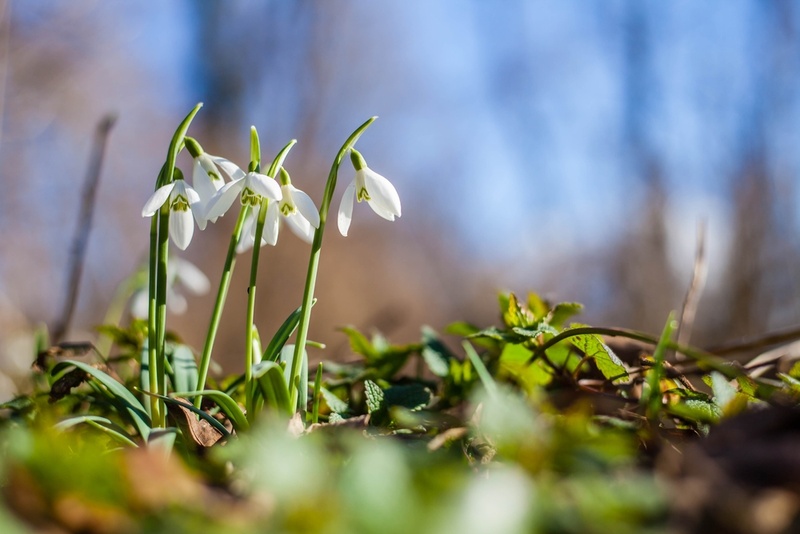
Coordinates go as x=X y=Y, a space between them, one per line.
x=537 y=330
x=696 y=410
x=226 y=403
x=102 y=424
x=116 y=392
x=360 y=344
x=334 y=403
x=724 y=392
x=286 y=357
x=514 y=362
x=604 y=358
x=480 y=368
x=563 y=311
x=375 y=398
x=283 y=333
x=184 y=368
x=272 y=385
x=538 y=306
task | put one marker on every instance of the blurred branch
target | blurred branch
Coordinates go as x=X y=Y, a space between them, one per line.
x=695 y=289
x=81 y=238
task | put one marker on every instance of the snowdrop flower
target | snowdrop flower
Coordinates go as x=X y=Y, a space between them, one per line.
x=206 y=178
x=297 y=209
x=368 y=186
x=252 y=188
x=180 y=273
x=181 y=198
x=294 y=206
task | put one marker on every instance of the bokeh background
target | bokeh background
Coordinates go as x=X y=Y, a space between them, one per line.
x=570 y=148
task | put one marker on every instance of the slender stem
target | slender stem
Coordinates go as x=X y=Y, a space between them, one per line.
x=152 y=352
x=222 y=294
x=251 y=306
x=317 y=395
x=313 y=262
x=161 y=311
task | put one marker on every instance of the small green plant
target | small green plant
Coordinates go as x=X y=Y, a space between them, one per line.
x=535 y=424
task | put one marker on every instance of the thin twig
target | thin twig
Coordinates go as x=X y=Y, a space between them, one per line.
x=762 y=341
x=692 y=299
x=80 y=239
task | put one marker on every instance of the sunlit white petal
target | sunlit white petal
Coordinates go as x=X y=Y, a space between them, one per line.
x=384 y=199
x=346 y=208
x=223 y=199
x=190 y=276
x=157 y=200
x=271 y=224
x=204 y=184
x=301 y=227
x=181 y=227
x=264 y=185
x=305 y=206
x=229 y=167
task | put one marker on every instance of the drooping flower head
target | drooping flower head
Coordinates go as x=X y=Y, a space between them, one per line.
x=371 y=187
x=206 y=177
x=294 y=206
x=180 y=197
x=251 y=188
x=297 y=209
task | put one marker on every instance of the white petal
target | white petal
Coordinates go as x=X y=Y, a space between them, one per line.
x=247 y=237
x=301 y=227
x=139 y=304
x=271 y=224
x=192 y=278
x=346 y=208
x=264 y=185
x=202 y=182
x=305 y=206
x=199 y=217
x=181 y=228
x=157 y=200
x=176 y=303
x=223 y=199
x=384 y=199
x=230 y=168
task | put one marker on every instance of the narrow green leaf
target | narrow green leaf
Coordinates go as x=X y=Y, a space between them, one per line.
x=272 y=385
x=184 y=368
x=286 y=357
x=117 y=392
x=480 y=368
x=100 y=423
x=282 y=335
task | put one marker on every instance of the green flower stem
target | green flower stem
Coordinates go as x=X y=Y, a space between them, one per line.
x=161 y=313
x=159 y=247
x=313 y=263
x=222 y=295
x=249 y=387
x=175 y=146
x=152 y=352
